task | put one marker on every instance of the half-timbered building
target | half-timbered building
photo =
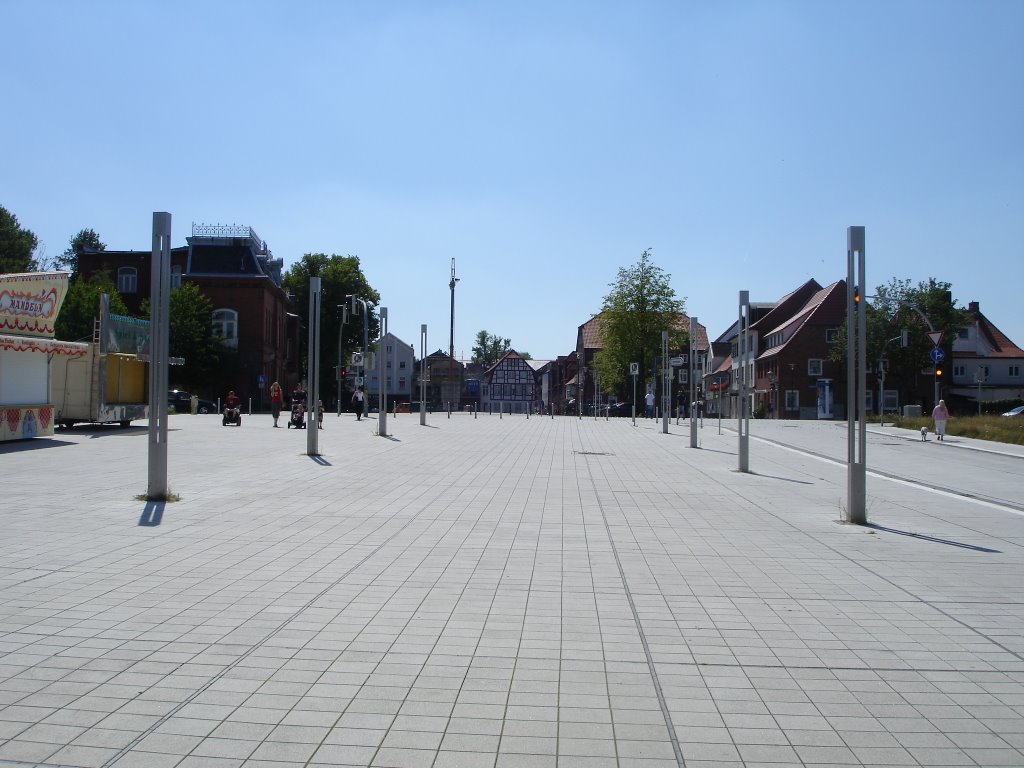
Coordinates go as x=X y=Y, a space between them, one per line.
x=510 y=385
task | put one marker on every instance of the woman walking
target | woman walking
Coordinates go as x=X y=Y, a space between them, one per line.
x=276 y=399
x=940 y=414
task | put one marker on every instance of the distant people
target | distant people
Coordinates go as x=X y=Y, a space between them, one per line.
x=276 y=401
x=299 y=395
x=940 y=415
x=320 y=414
x=357 y=402
x=649 y=408
x=232 y=401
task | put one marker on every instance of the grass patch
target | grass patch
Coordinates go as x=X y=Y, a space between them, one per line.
x=998 y=429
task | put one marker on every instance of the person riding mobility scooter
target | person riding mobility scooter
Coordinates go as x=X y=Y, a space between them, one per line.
x=232 y=410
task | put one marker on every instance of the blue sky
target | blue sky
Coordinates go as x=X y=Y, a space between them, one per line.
x=541 y=145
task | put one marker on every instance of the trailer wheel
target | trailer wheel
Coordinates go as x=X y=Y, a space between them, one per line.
x=124 y=424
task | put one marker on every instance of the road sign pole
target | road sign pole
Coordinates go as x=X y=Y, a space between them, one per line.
x=693 y=382
x=856 y=362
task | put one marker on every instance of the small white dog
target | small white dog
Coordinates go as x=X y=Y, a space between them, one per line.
x=924 y=433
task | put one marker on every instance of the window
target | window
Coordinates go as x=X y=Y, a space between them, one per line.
x=959 y=371
x=225 y=325
x=401 y=382
x=1014 y=371
x=127 y=280
x=792 y=400
x=176 y=276
x=401 y=364
x=831 y=335
x=814 y=367
x=962 y=333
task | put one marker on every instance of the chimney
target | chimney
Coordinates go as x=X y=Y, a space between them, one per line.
x=973 y=308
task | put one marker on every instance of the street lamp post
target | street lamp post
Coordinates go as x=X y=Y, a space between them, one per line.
x=773 y=399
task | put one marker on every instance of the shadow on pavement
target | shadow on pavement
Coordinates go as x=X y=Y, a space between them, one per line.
x=152 y=514
x=321 y=461
x=925 y=537
x=32 y=444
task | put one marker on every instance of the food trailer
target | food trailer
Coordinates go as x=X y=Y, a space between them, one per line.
x=29 y=303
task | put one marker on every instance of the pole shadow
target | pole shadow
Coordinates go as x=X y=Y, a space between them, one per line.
x=152 y=514
x=925 y=537
x=321 y=461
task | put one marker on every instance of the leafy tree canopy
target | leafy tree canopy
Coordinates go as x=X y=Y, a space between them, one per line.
x=81 y=307
x=339 y=277
x=489 y=348
x=85 y=240
x=17 y=245
x=209 y=367
x=640 y=305
x=899 y=306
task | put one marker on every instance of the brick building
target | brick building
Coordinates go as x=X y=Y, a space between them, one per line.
x=234 y=268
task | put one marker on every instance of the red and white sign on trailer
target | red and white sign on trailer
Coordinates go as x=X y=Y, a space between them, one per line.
x=935 y=336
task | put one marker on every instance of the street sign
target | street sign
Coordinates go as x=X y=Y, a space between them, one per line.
x=634 y=369
x=936 y=337
x=937 y=355
x=261 y=380
x=359 y=381
x=677 y=361
x=357 y=359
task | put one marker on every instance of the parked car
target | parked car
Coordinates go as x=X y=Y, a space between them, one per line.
x=182 y=402
x=1018 y=411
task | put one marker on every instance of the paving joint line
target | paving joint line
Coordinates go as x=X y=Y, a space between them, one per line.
x=652 y=669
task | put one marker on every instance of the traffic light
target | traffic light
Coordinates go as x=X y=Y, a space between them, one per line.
x=343 y=374
x=938 y=371
x=856 y=296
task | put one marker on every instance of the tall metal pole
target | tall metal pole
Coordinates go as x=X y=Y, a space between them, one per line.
x=313 y=368
x=337 y=372
x=451 y=341
x=423 y=374
x=856 y=379
x=666 y=386
x=159 y=336
x=382 y=369
x=743 y=342
x=693 y=381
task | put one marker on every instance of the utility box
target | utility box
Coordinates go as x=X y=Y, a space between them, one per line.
x=911 y=411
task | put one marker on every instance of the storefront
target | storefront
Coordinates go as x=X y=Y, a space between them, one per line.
x=29 y=304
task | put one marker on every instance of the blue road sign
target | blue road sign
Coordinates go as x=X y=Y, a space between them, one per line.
x=261 y=380
x=938 y=355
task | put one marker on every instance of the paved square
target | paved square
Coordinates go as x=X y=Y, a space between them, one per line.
x=502 y=592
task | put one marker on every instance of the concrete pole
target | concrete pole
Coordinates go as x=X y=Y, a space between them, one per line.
x=423 y=374
x=159 y=339
x=666 y=386
x=856 y=379
x=382 y=368
x=313 y=368
x=743 y=412
x=693 y=382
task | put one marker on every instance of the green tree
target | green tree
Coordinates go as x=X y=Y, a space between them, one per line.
x=209 y=366
x=17 y=245
x=489 y=348
x=339 y=276
x=640 y=305
x=77 y=317
x=85 y=240
x=901 y=306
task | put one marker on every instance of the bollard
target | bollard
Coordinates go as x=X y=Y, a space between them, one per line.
x=250 y=406
x=474 y=411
